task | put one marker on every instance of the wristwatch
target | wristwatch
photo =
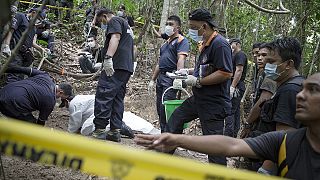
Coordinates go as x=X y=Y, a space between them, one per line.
x=108 y=57
x=248 y=125
x=198 y=85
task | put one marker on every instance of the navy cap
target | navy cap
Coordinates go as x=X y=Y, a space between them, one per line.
x=202 y=15
x=42 y=14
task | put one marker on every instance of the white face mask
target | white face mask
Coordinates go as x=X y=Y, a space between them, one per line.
x=169 y=30
x=91 y=44
x=120 y=13
x=194 y=35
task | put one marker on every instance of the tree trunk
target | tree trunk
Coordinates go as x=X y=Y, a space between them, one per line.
x=164 y=14
x=315 y=56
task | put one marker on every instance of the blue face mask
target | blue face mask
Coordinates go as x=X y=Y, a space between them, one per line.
x=194 y=35
x=104 y=26
x=271 y=71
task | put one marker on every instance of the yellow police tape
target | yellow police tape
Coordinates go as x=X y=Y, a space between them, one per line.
x=54 y=7
x=104 y=158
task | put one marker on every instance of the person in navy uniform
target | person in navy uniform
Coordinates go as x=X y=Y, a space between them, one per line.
x=173 y=54
x=37 y=93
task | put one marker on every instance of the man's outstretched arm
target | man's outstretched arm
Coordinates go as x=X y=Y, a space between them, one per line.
x=213 y=144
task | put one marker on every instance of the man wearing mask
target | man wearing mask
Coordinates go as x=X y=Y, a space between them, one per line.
x=122 y=13
x=173 y=54
x=210 y=81
x=117 y=69
x=37 y=93
x=278 y=113
x=24 y=56
x=89 y=56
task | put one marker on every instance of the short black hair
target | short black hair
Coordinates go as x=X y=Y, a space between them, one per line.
x=122 y=7
x=92 y=36
x=263 y=45
x=103 y=10
x=175 y=18
x=287 y=48
x=256 y=45
x=66 y=88
x=236 y=40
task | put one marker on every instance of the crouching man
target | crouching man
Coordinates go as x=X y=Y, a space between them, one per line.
x=37 y=93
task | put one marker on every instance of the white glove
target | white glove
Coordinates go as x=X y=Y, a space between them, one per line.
x=236 y=93
x=182 y=72
x=232 y=89
x=5 y=49
x=150 y=86
x=45 y=34
x=191 y=80
x=177 y=84
x=108 y=67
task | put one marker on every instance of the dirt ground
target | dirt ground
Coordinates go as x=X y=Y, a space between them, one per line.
x=137 y=101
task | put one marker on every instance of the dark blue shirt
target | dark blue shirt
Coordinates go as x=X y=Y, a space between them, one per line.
x=214 y=100
x=169 y=53
x=31 y=94
x=123 y=58
x=19 y=24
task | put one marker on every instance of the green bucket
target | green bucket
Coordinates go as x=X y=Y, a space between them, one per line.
x=170 y=106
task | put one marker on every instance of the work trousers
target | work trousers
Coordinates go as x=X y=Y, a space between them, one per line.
x=189 y=111
x=233 y=121
x=109 y=100
x=163 y=83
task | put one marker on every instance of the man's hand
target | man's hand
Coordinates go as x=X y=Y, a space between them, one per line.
x=245 y=133
x=5 y=49
x=164 y=142
x=108 y=66
x=45 y=34
x=191 y=80
x=150 y=87
x=177 y=84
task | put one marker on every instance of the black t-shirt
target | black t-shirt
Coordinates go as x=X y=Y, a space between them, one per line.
x=281 y=108
x=123 y=58
x=31 y=94
x=302 y=160
x=20 y=23
x=214 y=100
x=240 y=58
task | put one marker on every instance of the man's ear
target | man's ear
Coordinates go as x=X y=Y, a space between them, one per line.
x=290 y=64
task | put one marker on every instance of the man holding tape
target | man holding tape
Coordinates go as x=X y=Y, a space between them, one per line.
x=297 y=152
x=38 y=92
x=117 y=69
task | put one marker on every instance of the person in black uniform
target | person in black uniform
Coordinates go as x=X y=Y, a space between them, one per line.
x=89 y=29
x=117 y=69
x=237 y=88
x=37 y=93
x=24 y=56
x=210 y=81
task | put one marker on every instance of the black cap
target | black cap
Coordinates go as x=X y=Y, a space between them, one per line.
x=202 y=15
x=236 y=40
